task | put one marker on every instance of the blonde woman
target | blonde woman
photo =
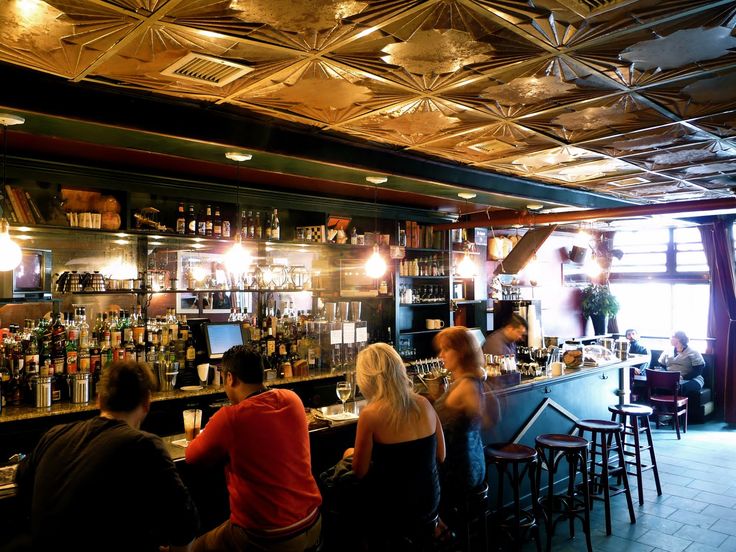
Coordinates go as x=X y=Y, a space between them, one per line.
x=398 y=443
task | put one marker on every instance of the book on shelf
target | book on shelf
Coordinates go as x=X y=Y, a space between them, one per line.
x=15 y=204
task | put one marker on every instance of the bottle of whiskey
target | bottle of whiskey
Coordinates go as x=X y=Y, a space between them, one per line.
x=191 y=221
x=250 y=225
x=275 y=226
x=180 y=219
x=268 y=228
x=217 y=223
x=258 y=228
x=208 y=223
x=201 y=224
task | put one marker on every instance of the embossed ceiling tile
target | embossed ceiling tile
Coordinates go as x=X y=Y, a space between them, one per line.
x=539 y=161
x=572 y=22
x=282 y=116
x=652 y=139
x=327 y=93
x=674 y=191
x=723 y=125
x=710 y=170
x=698 y=96
x=593 y=170
x=496 y=141
x=684 y=156
x=721 y=183
x=666 y=51
x=416 y=122
x=138 y=6
x=591 y=120
x=436 y=47
x=308 y=25
x=63 y=38
x=531 y=88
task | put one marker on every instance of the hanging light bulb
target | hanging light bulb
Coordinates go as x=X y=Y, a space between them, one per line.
x=375 y=266
x=466 y=267
x=532 y=272
x=237 y=259
x=10 y=253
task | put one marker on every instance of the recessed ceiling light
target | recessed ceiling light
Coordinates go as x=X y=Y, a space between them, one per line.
x=534 y=206
x=238 y=156
x=466 y=195
x=376 y=179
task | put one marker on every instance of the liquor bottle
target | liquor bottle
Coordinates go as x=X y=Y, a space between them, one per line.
x=5 y=377
x=191 y=356
x=258 y=227
x=126 y=327
x=191 y=221
x=201 y=224
x=244 y=225
x=250 y=226
x=83 y=327
x=32 y=355
x=208 y=223
x=275 y=226
x=226 y=231
x=184 y=329
x=84 y=359
x=267 y=230
x=217 y=223
x=354 y=236
x=72 y=357
x=95 y=357
x=181 y=223
x=139 y=325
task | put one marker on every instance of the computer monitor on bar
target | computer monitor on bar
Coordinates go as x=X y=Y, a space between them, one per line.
x=220 y=336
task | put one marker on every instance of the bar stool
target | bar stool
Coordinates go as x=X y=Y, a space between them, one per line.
x=602 y=432
x=473 y=512
x=629 y=415
x=552 y=448
x=522 y=460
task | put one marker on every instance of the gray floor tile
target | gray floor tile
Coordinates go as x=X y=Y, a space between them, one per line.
x=710 y=486
x=724 y=526
x=720 y=512
x=691 y=518
x=703 y=536
x=719 y=499
x=663 y=541
x=698 y=547
x=729 y=545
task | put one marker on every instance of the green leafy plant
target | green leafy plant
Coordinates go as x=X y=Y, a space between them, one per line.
x=598 y=300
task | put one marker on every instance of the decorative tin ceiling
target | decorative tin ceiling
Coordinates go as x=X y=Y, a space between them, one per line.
x=633 y=99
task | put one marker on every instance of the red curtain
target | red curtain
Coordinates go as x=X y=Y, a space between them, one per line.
x=722 y=313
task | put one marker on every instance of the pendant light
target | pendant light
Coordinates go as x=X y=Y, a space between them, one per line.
x=238 y=259
x=10 y=253
x=467 y=268
x=375 y=266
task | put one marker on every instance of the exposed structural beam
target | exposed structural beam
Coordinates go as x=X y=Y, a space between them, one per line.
x=499 y=219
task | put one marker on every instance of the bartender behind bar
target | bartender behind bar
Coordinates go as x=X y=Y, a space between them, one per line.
x=503 y=341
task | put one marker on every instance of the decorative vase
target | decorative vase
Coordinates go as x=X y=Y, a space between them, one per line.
x=599 y=323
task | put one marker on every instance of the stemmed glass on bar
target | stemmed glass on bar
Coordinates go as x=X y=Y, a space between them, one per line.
x=343 y=390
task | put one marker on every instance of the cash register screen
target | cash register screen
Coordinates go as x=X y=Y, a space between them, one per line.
x=220 y=337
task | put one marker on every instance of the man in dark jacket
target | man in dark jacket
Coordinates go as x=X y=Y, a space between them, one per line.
x=102 y=483
x=636 y=347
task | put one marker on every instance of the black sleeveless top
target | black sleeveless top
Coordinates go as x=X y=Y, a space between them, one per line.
x=404 y=482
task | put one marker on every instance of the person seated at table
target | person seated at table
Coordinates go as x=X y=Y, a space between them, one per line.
x=687 y=361
x=263 y=442
x=398 y=444
x=102 y=483
x=636 y=347
x=503 y=341
x=462 y=411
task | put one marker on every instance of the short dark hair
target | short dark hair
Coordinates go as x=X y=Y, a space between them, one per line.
x=125 y=385
x=516 y=321
x=244 y=363
x=630 y=330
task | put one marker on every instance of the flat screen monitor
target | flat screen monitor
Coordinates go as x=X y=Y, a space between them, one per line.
x=221 y=336
x=478 y=335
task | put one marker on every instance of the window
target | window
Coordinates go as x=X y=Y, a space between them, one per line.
x=669 y=252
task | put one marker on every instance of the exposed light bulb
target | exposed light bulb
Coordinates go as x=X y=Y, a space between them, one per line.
x=532 y=272
x=375 y=266
x=10 y=253
x=466 y=267
x=237 y=259
x=592 y=268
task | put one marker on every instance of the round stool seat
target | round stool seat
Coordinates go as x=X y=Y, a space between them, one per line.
x=561 y=441
x=630 y=409
x=599 y=425
x=509 y=452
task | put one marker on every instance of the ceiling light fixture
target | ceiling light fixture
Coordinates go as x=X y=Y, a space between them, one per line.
x=238 y=259
x=535 y=207
x=376 y=179
x=10 y=253
x=467 y=195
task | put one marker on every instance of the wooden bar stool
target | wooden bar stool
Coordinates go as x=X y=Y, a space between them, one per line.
x=635 y=419
x=602 y=433
x=519 y=522
x=472 y=514
x=552 y=448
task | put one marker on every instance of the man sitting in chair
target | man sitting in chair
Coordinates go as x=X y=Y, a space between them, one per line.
x=636 y=347
x=687 y=361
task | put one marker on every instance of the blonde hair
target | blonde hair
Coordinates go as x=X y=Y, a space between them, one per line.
x=381 y=375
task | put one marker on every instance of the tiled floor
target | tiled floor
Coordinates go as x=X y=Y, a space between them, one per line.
x=697 y=509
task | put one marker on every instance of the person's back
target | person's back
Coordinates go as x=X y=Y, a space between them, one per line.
x=104 y=484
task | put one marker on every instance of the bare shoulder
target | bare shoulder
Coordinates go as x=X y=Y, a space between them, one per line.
x=423 y=403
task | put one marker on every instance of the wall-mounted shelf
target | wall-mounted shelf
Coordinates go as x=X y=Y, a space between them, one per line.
x=424 y=277
x=439 y=304
x=420 y=332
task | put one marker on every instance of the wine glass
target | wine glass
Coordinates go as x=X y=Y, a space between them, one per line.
x=343 y=390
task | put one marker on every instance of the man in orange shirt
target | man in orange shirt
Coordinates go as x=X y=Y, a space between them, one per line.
x=263 y=441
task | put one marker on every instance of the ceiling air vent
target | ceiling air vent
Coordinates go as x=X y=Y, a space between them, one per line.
x=627 y=182
x=586 y=8
x=206 y=69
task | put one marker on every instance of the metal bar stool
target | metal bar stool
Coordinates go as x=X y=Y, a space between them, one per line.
x=552 y=448
x=602 y=433
x=519 y=522
x=629 y=415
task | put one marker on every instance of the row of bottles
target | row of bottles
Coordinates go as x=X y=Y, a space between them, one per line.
x=433 y=265
x=412 y=295
x=255 y=227
x=207 y=222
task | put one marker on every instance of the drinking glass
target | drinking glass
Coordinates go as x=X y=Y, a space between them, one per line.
x=203 y=371
x=343 y=390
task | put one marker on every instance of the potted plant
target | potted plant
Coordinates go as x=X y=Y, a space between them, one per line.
x=599 y=304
